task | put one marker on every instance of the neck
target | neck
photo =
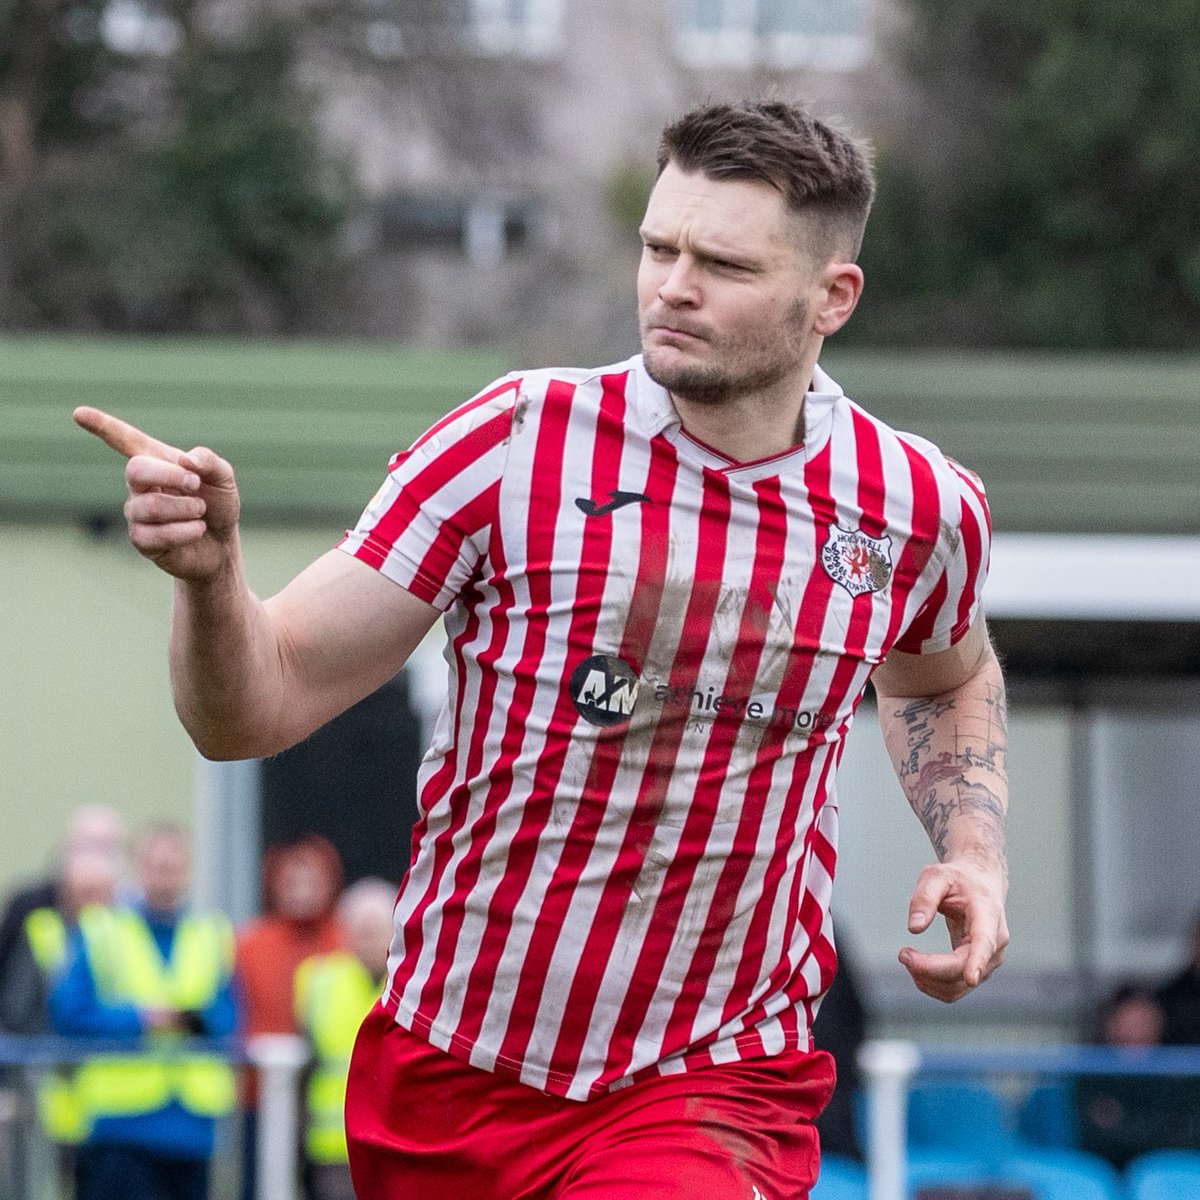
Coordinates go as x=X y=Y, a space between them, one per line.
x=757 y=423
x=749 y=426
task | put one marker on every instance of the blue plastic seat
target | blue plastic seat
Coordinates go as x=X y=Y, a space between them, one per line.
x=944 y=1169
x=840 y=1179
x=1047 y=1116
x=1046 y=1175
x=1062 y=1174
x=963 y=1116
x=1164 y=1175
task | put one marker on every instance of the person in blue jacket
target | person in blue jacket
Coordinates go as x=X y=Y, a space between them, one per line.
x=154 y=971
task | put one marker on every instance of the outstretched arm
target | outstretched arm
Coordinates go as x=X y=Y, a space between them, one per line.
x=945 y=725
x=252 y=677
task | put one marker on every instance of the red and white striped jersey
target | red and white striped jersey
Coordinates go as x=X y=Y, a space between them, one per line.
x=628 y=819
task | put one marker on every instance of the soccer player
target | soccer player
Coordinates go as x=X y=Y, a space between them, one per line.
x=665 y=585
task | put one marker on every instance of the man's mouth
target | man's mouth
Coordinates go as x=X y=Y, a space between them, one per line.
x=675 y=331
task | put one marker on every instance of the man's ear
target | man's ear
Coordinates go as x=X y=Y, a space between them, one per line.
x=841 y=286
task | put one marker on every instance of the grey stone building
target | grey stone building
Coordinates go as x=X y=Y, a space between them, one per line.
x=505 y=146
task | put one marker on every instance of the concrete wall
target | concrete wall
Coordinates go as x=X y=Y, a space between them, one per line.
x=85 y=706
x=552 y=131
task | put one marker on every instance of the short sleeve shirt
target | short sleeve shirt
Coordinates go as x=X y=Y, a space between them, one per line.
x=629 y=821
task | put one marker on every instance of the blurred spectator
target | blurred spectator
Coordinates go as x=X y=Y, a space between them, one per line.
x=88 y=877
x=1132 y=1017
x=93 y=827
x=1180 y=998
x=333 y=994
x=149 y=969
x=33 y=945
x=1122 y=1116
x=840 y=1029
x=301 y=884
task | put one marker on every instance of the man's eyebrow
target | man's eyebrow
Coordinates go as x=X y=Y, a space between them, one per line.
x=728 y=254
x=709 y=253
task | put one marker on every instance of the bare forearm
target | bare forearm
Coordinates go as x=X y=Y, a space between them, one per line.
x=250 y=677
x=944 y=722
x=224 y=659
x=254 y=677
x=949 y=753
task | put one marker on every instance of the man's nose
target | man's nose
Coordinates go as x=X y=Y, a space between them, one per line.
x=681 y=284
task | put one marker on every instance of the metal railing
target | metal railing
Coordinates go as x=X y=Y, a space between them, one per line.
x=279 y=1058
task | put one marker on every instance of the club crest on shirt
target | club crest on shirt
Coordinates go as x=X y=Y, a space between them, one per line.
x=858 y=562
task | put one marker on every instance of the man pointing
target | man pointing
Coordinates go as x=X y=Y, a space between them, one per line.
x=666 y=584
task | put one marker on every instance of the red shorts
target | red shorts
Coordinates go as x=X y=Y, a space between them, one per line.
x=423 y=1125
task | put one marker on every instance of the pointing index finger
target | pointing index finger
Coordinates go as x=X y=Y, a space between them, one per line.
x=127 y=440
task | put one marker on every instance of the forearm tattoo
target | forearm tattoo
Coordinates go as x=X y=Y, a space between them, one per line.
x=953 y=764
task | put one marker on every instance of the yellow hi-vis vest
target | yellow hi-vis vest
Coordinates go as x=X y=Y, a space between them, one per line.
x=334 y=992
x=58 y=1107
x=127 y=967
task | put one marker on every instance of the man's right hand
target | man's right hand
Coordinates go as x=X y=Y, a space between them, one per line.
x=182 y=507
x=252 y=677
x=162 y=1020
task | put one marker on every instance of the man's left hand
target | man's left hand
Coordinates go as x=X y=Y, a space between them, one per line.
x=970 y=896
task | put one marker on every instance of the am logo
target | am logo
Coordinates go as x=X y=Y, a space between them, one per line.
x=604 y=689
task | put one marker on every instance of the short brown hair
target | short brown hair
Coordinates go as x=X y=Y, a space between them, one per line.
x=819 y=171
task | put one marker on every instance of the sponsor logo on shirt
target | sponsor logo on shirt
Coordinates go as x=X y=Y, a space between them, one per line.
x=604 y=689
x=763 y=709
x=858 y=562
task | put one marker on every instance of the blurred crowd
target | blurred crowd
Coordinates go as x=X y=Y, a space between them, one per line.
x=1117 y=1116
x=1121 y=1116
x=106 y=948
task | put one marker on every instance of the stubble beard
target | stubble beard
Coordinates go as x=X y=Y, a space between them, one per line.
x=766 y=362
x=711 y=386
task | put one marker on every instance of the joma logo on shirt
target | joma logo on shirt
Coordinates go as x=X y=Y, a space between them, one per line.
x=616 y=499
x=604 y=689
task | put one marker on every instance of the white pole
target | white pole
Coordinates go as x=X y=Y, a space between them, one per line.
x=279 y=1058
x=888 y=1067
x=226 y=797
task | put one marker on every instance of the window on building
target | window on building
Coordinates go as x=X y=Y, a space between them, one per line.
x=139 y=30
x=484 y=230
x=522 y=27
x=395 y=29
x=785 y=33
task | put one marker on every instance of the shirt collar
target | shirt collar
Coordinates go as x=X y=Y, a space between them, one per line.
x=652 y=404
x=655 y=412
